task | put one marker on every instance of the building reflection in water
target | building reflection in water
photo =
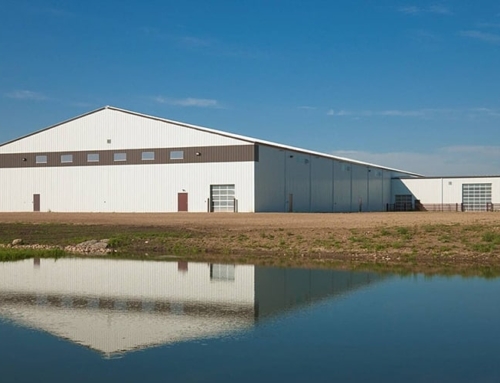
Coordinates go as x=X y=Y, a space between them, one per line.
x=116 y=306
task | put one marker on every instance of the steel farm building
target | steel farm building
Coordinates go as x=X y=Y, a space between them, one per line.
x=114 y=160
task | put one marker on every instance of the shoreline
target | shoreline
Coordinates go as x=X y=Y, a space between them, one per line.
x=465 y=243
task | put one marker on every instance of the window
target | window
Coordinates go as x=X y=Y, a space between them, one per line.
x=177 y=155
x=148 y=156
x=120 y=157
x=41 y=159
x=93 y=157
x=222 y=272
x=65 y=158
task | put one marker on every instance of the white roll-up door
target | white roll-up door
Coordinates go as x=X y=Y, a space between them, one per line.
x=222 y=198
x=476 y=197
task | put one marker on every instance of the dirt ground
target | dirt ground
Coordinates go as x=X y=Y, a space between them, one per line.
x=259 y=220
x=429 y=241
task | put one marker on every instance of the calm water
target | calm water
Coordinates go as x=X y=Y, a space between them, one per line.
x=88 y=320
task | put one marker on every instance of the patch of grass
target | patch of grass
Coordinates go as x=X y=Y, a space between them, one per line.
x=385 y=232
x=491 y=237
x=327 y=243
x=117 y=242
x=381 y=246
x=243 y=237
x=445 y=249
x=483 y=247
x=445 y=238
x=402 y=230
x=14 y=254
x=396 y=245
x=429 y=228
x=363 y=242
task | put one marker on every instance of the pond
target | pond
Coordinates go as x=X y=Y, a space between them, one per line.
x=98 y=320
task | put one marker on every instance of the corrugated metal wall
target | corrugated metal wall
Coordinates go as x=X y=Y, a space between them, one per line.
x=121 y=187
x=270 y=190
x=317 y=184
x=125 y=130
x=443 y=190
x=136 y=188
x=321 y=184
x=281 y=179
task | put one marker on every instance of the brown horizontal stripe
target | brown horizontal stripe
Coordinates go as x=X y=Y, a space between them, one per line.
x=233 y=153
x=128 y=305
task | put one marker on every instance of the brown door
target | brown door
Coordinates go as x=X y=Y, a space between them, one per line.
x=182 y=201
x=36 y=202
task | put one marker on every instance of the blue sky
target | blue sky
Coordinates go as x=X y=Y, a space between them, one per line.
x=413 y=85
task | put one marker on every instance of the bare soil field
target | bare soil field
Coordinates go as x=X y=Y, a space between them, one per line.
x=258 y=220
x=437 y=241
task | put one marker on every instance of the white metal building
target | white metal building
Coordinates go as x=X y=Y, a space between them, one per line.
x=447 y=193
x=113 y=160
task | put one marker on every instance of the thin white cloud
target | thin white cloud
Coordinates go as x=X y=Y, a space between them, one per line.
x=371 y=113
x=439 y=9
x=489 y=25
x=435 y=9
x=194 y=41
x=26 y=95
x=486 y=111
x=424 y=36
x=447 y=161
x=207 y=45
x=492 y=152
x=187 y=41
x=402 y=113
x=190 y=101
x=483 y=36
x=332 y=112
x=427 y=113
x=51 y=11
x=410 y=10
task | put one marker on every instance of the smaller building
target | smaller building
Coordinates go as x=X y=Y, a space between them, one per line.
x=481 y=193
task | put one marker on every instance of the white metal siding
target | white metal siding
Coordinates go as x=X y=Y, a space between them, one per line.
x=270 y=180
x=375 y=200
x=127 y=188
x=342 y=187
x=359 y=187
x=321 y=184
x=386 y=188
x=443 y=190
x=298 y=180
x=125 y=131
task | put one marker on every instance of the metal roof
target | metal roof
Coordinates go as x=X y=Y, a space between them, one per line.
x=225 y=134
